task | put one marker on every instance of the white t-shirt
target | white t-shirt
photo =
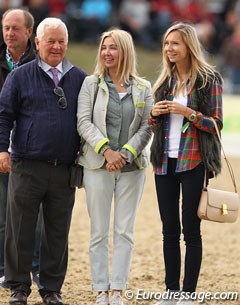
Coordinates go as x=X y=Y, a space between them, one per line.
x=176 y=121
x=121 y=95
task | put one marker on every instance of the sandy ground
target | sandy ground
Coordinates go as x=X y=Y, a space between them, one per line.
x=221 y=259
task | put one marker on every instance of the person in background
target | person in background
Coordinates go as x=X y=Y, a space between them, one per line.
x=163 y=13
x=230 y=55
x=134 y=17
x=197 y=12
x=87 y=19
x=17 y=49
x=39 y=101
x=187 y=94
x=57 y=8
x=40 y=10
x=113 y=157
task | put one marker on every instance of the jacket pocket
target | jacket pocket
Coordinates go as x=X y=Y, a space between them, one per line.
x=21 y=135
x=139 y=108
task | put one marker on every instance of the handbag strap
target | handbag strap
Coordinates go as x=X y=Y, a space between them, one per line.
x=94 y=98
x=83 y=140
x=225 y=157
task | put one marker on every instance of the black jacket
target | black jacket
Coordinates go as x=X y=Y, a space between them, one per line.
x=4 y=69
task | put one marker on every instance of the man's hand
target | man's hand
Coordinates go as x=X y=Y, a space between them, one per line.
x=5 y=164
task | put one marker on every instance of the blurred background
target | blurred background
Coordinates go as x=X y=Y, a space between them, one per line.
x=217 y=23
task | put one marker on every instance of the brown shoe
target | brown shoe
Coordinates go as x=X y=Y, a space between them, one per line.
x=18 y=298
x=53 y=298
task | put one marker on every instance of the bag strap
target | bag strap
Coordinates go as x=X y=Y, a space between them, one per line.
x=225 y=157
x=83 y=140
x=94 y=98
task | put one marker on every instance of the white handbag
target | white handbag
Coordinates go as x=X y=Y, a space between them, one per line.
x=218 y=205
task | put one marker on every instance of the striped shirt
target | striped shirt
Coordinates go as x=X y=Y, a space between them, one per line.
x=189 y=152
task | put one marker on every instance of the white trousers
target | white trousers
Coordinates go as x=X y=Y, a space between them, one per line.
x=126 y=189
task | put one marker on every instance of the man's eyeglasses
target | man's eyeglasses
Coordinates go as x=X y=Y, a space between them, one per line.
x=62 y=102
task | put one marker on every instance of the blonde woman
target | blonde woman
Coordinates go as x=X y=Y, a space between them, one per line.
x=187 y=94
x=116 y=131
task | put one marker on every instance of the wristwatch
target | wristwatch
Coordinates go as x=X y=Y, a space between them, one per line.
x=192 y=117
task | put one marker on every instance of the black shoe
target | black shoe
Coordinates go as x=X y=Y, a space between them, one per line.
x=53 y=298
x=18 y=298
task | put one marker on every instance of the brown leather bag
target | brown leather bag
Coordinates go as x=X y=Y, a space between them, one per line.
x=218 y=205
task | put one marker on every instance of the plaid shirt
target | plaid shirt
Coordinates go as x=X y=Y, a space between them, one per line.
x=189 y=152
x=10 y=61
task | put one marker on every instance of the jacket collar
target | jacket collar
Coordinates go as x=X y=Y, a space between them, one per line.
x=66 y=65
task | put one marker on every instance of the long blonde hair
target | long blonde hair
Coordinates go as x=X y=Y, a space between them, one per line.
x=127 y=65
x=199 y=66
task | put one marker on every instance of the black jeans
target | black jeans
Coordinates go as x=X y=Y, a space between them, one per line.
x=168 y=194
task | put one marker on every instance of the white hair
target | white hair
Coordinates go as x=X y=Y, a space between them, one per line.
x=50 y=22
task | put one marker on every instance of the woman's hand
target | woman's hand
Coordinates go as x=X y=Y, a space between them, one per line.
x=176 y=107
x=159 y=108
x=115 y=160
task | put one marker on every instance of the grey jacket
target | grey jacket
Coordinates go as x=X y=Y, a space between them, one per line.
x=95 y=133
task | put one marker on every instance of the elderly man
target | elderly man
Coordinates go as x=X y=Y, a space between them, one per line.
x=17 y=49
x=41 y=98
